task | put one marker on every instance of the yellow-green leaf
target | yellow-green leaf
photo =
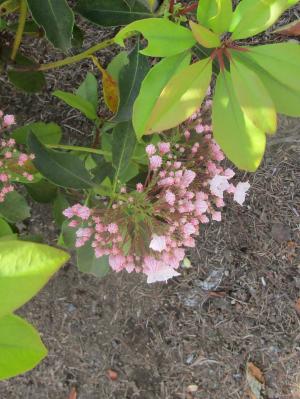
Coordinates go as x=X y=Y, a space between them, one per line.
x=215 y=14
x=204 y=36
x=181 y=97
x=281 y=60
x=152 y=86
x=165 y=38
x=242 y=142
x=253 y=97
x=254 y=16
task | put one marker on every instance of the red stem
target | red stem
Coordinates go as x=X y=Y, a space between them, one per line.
x=171 y=9
x=220 y=59
x=188 y=9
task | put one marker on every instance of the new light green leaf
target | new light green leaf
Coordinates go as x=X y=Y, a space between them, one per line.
x=285 y=99
x=215 y=14
x=253 y=97
x=253 y=17
x=181 y=97
x=78 y=102
x=152 y=86
x=242 y=142
x=21 y=348
x=165 y=38
x=57 y=19
x=280 y=60
x=25 y=267
x=204 y=36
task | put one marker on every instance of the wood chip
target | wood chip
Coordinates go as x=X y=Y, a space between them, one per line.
x=255 y=380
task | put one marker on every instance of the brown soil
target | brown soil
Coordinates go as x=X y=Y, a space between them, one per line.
x=160 y=339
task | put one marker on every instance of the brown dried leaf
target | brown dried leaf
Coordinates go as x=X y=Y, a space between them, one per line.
x=256 y=381
x=110 y=88
x=292 y=29
x=73 y=393
x=112 y=375
x=297 y=306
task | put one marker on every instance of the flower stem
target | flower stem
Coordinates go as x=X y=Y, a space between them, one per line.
x=20 y=29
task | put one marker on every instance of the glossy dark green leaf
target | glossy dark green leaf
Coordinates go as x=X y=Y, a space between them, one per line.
x=129 y=173
x=112 y=12
x=57 y=19
x=30 y=82
x=61 y=168
x=88 y=263
x=21 y=348
x=14 y=209
x=78 y=37
x=102 y=170
x=89 y=90
x=78 y=102
x=130 y=80
x=43 y=191
x=5 y=228
x=47 y=133
x=60 y=203
x=123 y=146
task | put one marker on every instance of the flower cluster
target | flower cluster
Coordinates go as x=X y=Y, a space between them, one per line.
x=148 y=229
x=12 y=162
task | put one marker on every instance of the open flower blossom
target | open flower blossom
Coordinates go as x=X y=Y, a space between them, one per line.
x=149 y=230
x=13 y=164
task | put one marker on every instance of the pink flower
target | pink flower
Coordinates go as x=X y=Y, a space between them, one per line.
x=170 y=197
x=189 y=229
x=199 y=128
x=112 y=228
x=188 y=177
x=83 y=212
x=240 y=192
x=155 y=162
x=150 y=149
x=158 y=243
x=8 y=120
x=218 y=184
x=139 y=187
x=164 y=148
x=201 y=206
x=160 y=273
x=217 y=216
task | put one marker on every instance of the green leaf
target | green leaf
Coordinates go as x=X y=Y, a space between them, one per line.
x=117 y=63
x=152 y=86
x=78 y=102
x=61 y=168
x=242 y=142
x=42 y=191
x=25 y=267
x=253 y=17
x=253 y=97
x=77 y=37
x=204 y=36
x=102 y=170
x=123 y=146
x=181 y=97
x=57 y=19
x=5 y=228
x=129 y=173
x=88 y=263
x=130 y=79
x=29 y=82
x=165 y=38
x=68 y=235
x=14 y=209
x=21 y=348
x=60 y=203
x=47 y=133
x=215 y=14
x=285 y=99
x=112 y=13
x=89 y=90
x=281 y=60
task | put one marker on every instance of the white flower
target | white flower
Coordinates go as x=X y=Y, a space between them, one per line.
x=161 y=273
x=218 y=185
x=158 y=243
x=240 y=192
